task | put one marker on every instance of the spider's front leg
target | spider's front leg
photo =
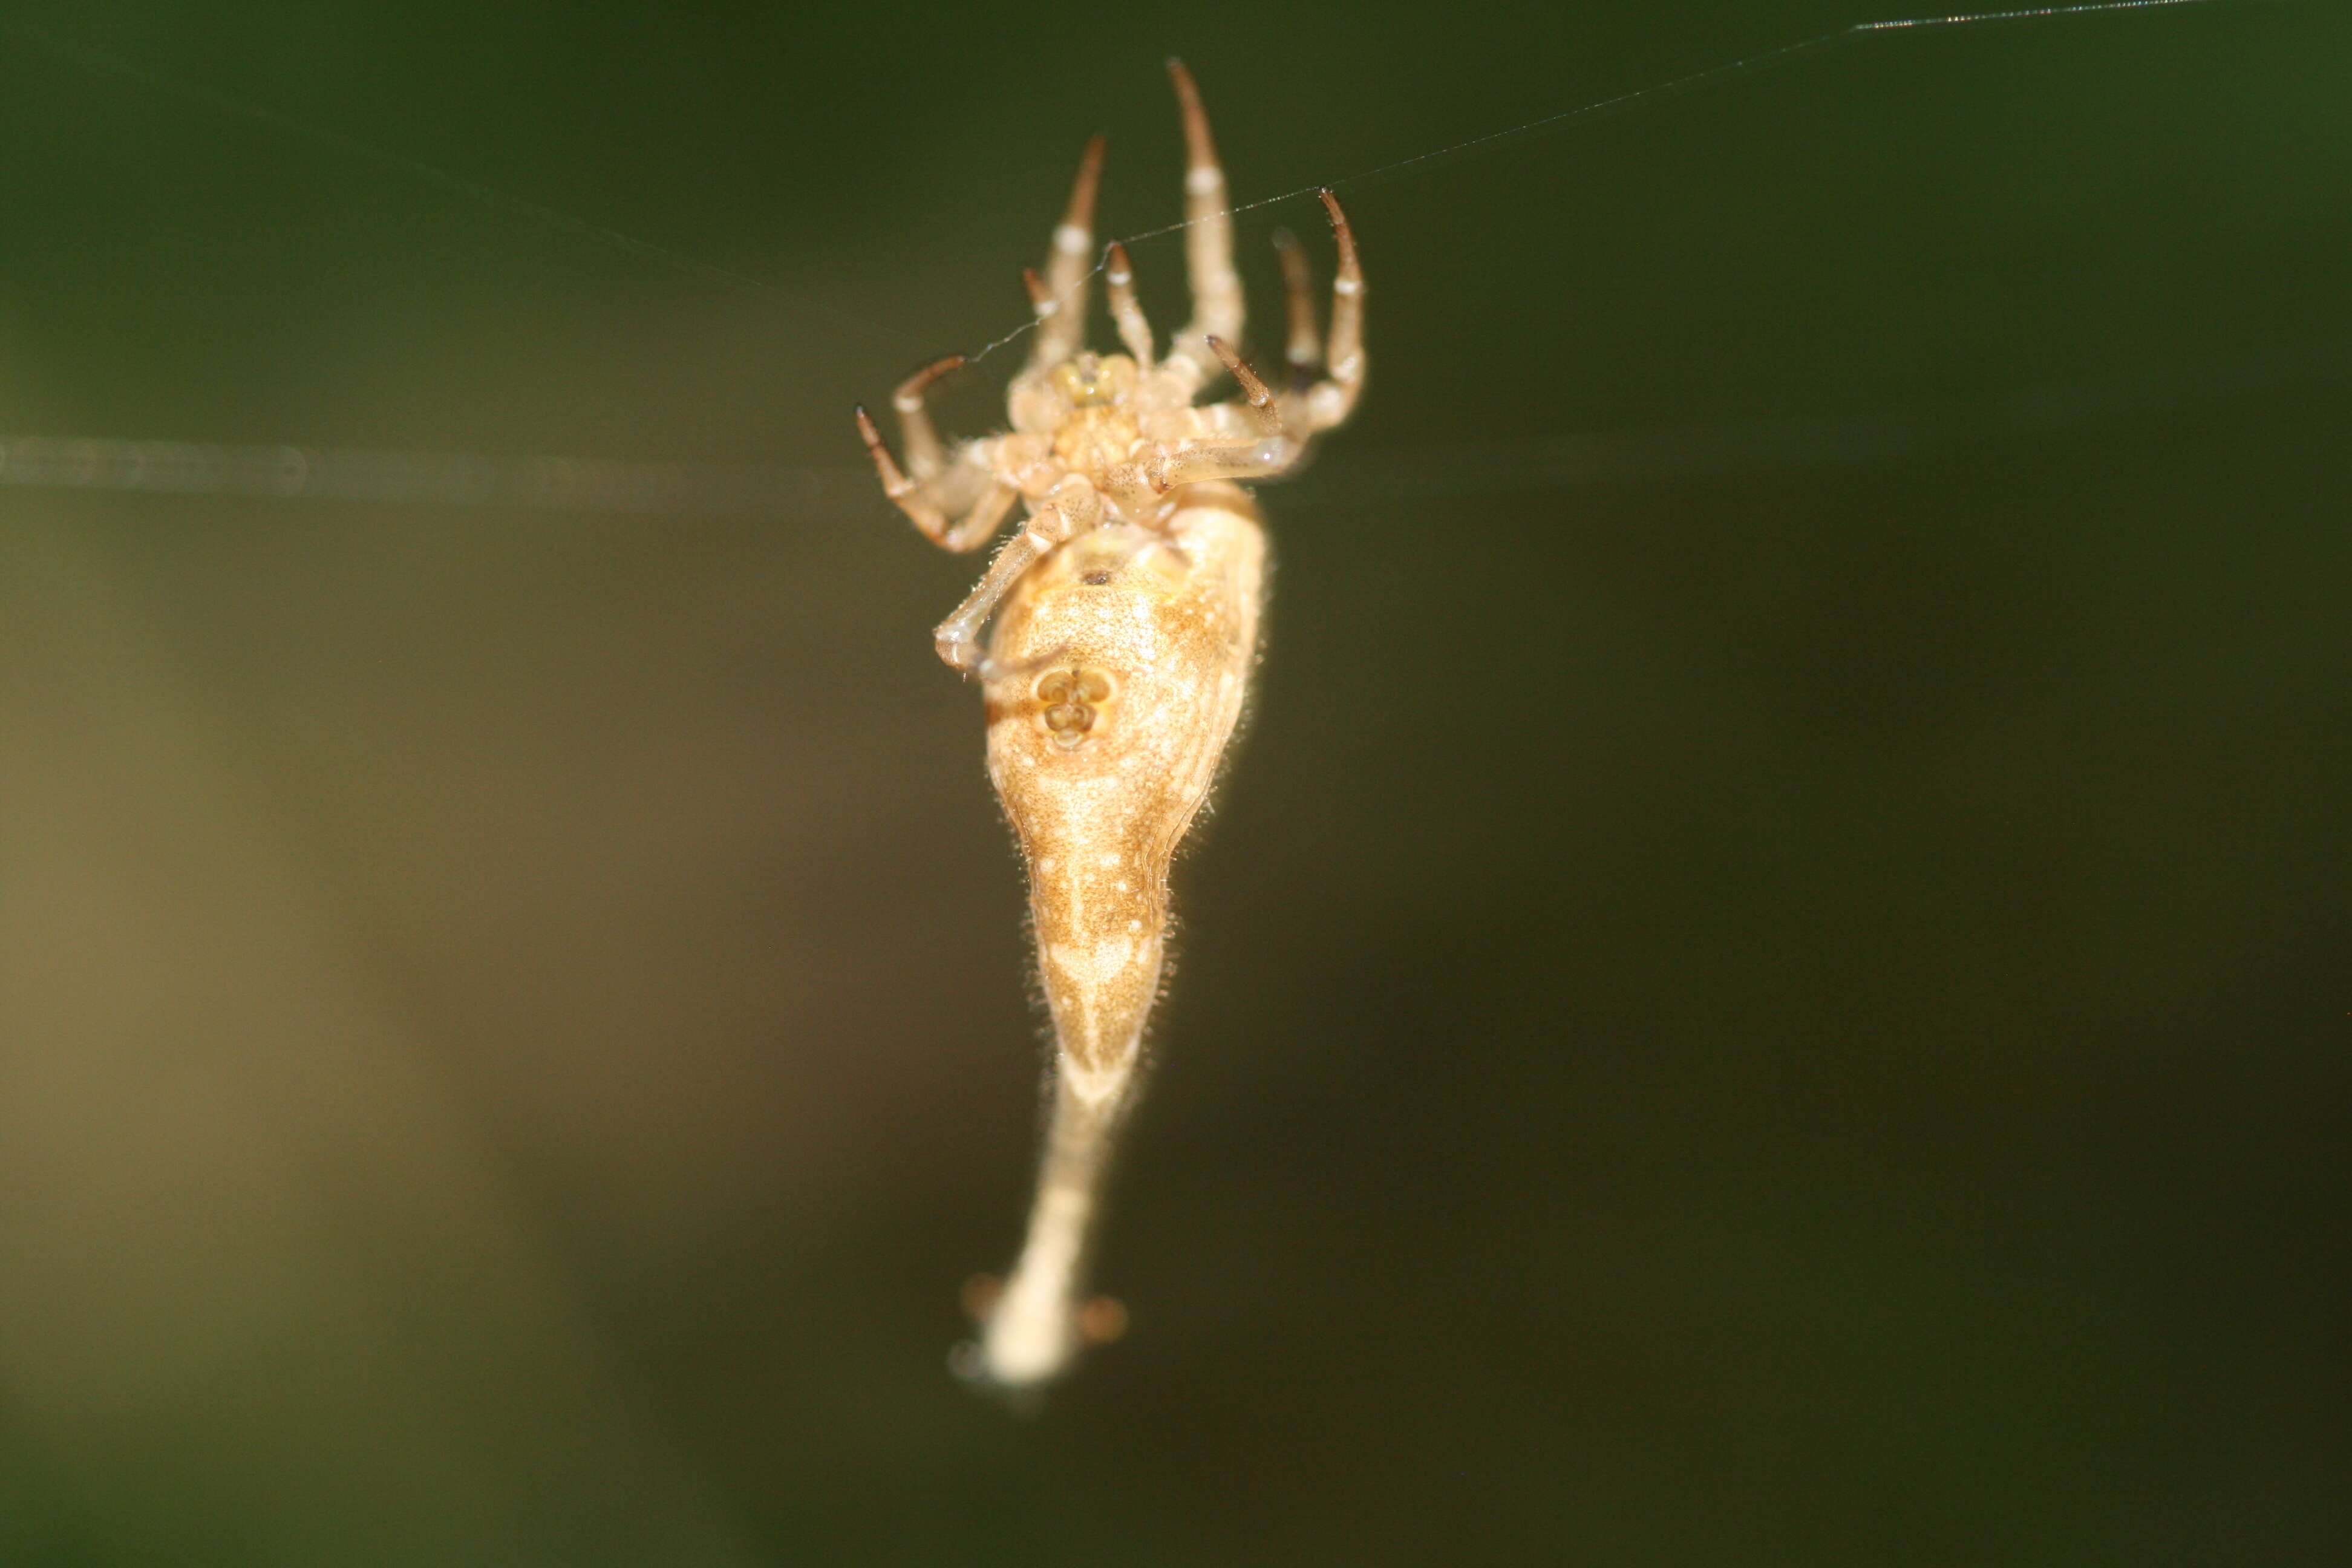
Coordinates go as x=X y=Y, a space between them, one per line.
x=1059 y=297
x=1071 y=508
x=1208 y=237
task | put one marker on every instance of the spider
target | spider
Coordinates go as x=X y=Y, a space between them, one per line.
x=1126 y=616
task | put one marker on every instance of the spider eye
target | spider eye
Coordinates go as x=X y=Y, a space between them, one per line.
x=1081 y=381
x=1091 y=381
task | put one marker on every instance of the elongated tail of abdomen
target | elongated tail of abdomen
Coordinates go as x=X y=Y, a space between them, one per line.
x=1032 y=1330
x=1101 y=979
x=1119 y=669
x=1100 y=969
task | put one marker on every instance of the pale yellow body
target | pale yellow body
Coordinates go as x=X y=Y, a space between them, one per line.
x=1162 y=623
x=1121 y=665
x=1125 y=618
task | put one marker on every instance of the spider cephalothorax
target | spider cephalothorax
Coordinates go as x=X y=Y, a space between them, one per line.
x=1106 y=439
x=1126 y=617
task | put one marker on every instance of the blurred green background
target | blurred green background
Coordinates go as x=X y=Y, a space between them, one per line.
x=1769 y=986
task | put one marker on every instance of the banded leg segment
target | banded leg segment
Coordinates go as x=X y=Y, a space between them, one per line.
x=1059 y=297
x=925 y=456
x=966 y=482
x=1134 y=331
x=1332 y=399
x=1302 y=348
x=1315 y=402
x=1217 y=309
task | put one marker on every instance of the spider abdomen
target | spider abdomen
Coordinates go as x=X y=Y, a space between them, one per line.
x=1122 y=662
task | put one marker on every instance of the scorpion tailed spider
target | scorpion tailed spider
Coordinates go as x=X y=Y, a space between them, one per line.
x=1126 y=625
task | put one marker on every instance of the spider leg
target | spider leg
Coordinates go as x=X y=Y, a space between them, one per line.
x=1332 y=399
x=1304 y=348
x=980 y=524
x=1238 y=460
x=1274 y=450
x=1208 y=237
x=1263 y=411
x=924 y=455
x=1134 y=331
x=1059 y=297
x=1319 y=407
x=1074 y=506
x=928 y=500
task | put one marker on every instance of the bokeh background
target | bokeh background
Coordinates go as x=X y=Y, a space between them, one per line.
x=1769 y=986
